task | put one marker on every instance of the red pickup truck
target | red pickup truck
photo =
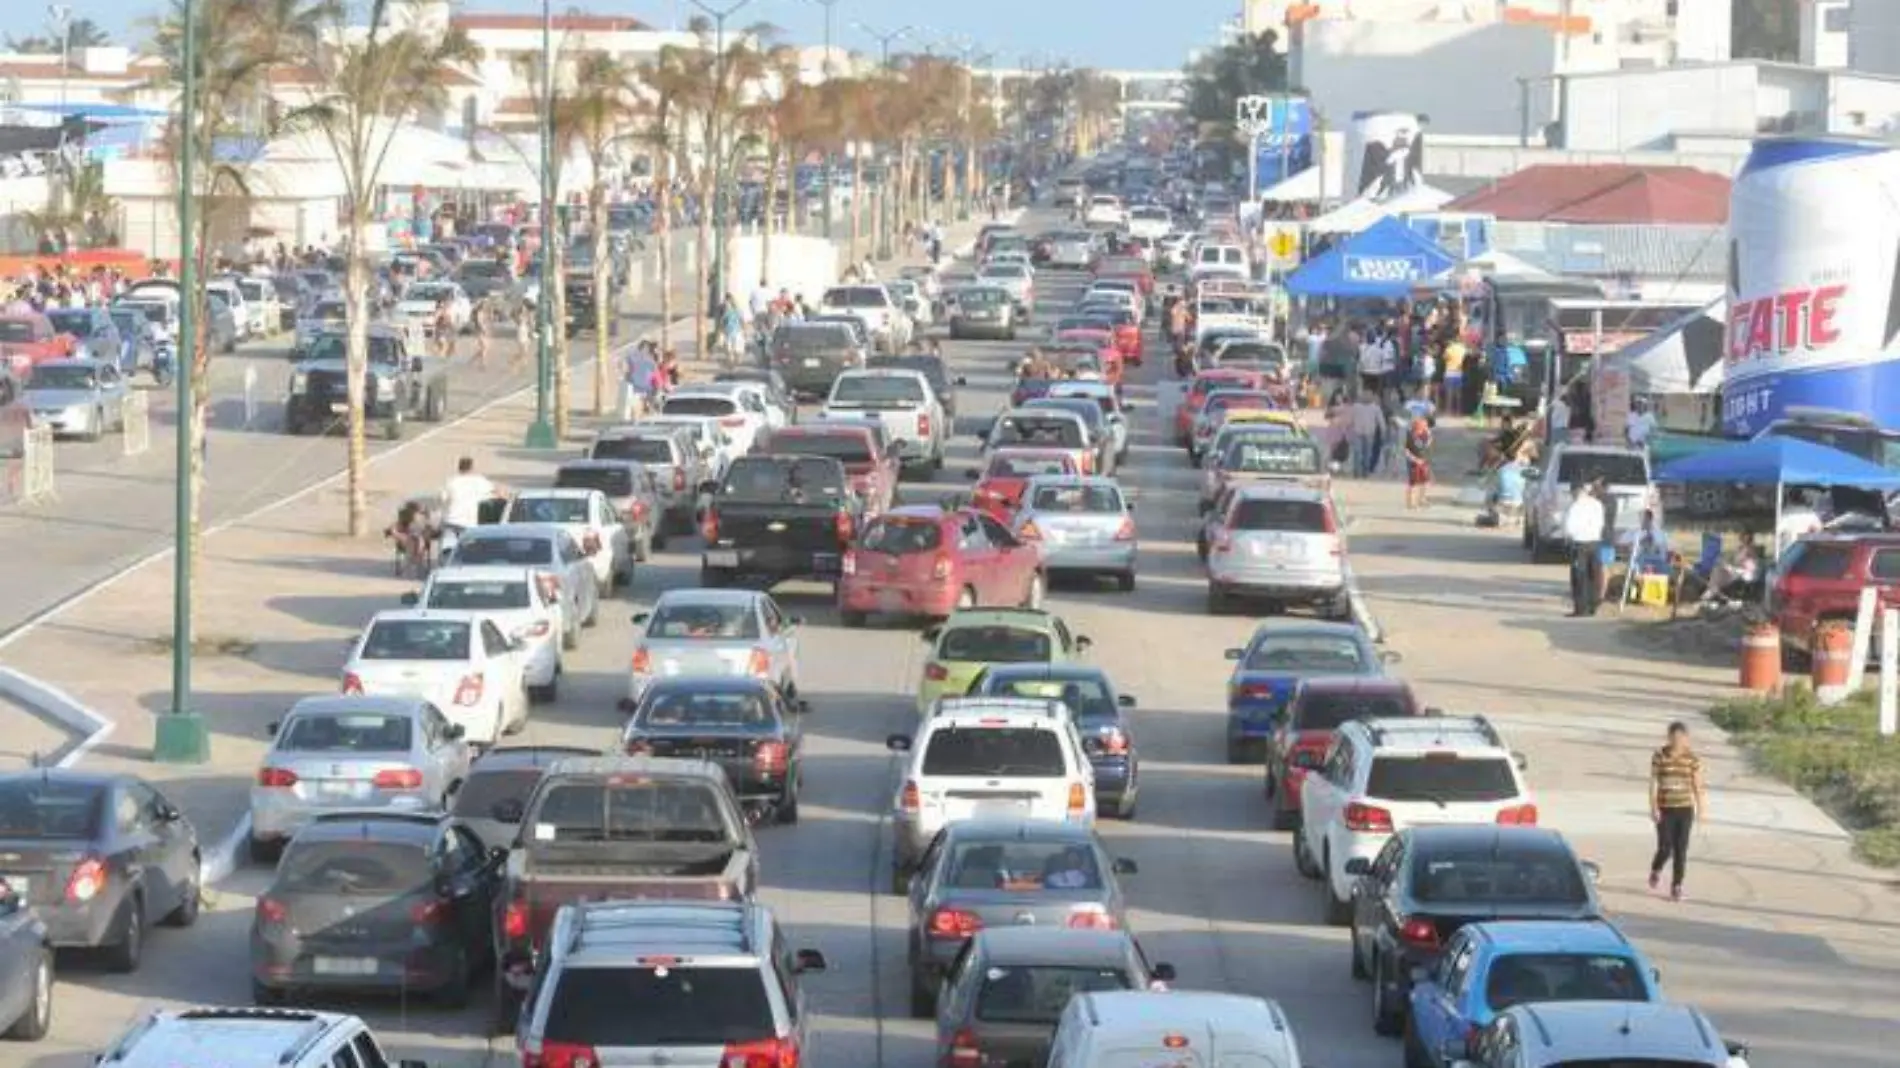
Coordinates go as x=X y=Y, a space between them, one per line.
x=27 y=339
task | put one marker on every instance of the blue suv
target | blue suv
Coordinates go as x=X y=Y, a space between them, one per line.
x=1488 y=967
x=1275 y=659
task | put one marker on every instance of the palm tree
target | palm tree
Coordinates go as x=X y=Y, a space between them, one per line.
x=79 y=212
x=599 y=113
x=80 y=33
x=770 y=120
x=369 y=83
x=852 y=101
x=666 y=85
x=232 y=84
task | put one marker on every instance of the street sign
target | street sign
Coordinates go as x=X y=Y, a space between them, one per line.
x=1283 y=245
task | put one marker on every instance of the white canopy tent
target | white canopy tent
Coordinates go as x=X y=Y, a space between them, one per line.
x=1359 y=214
x=1493 y=263
x=1684 y=356
x=1306 y=186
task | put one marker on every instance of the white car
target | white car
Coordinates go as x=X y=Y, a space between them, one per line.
x=1126 y=294
x=261 y=296
x=714 y=632
x=419 y=302
x=1150 y=222
x=873 y=305
x=589 y=518
x=249 y=323
x=1382 y=776
x=517 y=604
x=716 y=448
x=741 y=423
x=459 y=661
x=1013 y=755
x=1219 y=261
x=1105 y=210
x=903 y=402
x=564 y=568
x=753 y=396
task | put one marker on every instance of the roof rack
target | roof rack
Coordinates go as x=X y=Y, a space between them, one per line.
x=421 y=817
x=999 y=702
x=597 y=917
x=1437 y=724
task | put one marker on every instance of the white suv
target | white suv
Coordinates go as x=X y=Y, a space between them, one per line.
x=249 y=1038
x=984 y=758
x=1385 y=775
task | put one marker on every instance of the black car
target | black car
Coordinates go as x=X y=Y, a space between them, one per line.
x=495 y=791
x=99 y=858
x=1101 y=717
x=381 y=901
x=400 y=386
x=1429 y=881
x=942 y=382
x=745 y=725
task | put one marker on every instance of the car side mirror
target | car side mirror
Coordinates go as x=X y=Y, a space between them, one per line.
x=1125 y=701
x=415 y=365
x=972 y=475
x=410 y=600
x=508 y=810
x=982 y=435
x=1738 y=1050
x=1592 y=871
x=1523 y=764
x=627 y=706
x=808 y=960
x=795 y=621
x=1358 y=866
x=1391 y=656
x=801 y=706
x=1084 y=642
x=1162 y=972
x=1125 y=866
x=270 y=729
x=1233 y=654
x=898 y=743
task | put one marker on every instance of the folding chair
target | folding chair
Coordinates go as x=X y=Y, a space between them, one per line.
x=1703 y=568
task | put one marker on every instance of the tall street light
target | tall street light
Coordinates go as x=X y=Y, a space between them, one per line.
x=719 y=14
x=888 y=209
x=541 y=431
x=181 y=736
x=830 y=163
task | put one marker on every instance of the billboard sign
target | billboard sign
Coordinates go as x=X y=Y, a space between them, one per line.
x=1282 y=131
x=1385 y=153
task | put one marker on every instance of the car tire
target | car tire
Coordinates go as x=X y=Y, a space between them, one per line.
x=787 y=813
x=1303 y=857
x=506 y=1006
x=1125 y=580
x=186 y=913
x=1335 y=912
x=548 y=694
x=1387 y=1019
x=265 y=851
x=128 y=944
x=900 y=880
x=1415 y=1054
x=1285 y=818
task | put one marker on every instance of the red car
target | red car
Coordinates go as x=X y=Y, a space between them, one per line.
x=1207 y=382
x=999 y=487
x=1305 y=732
x=873 y=468
x=1107 y=353
x=924 y=561
x=1820 y=579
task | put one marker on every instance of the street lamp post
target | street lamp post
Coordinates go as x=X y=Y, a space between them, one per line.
x=541 y=431
x=180 y=735
x=716 y=278
x=887 y=209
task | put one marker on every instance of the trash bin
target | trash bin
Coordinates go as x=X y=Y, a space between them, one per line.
x=1831 y=660
x=1761 y=658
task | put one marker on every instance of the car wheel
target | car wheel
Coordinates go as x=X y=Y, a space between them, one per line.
x=1285 y=816
x=1387 y=1018
x=1415 y=1054
x=1337 y=913
x=38 y=1015
x=788 y=806
x=1526 y=537
x=1032 y=599
x=507 y=1006
x=1125 y=581
x=128 y=949
x=1303 y=857
x=186 y=913
x=656 y=538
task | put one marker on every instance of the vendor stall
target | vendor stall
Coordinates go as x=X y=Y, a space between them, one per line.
x=1382 y=262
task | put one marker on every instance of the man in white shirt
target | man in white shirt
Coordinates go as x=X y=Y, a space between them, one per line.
x=761 y=301
x=463 y=495
x=1641 y=424
x=1583 y=528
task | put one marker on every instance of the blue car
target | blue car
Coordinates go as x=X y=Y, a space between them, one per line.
x=1488 y=967
x=1266 y=671
x=1100 y=714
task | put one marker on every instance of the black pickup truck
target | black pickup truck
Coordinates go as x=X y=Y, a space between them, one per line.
x=779 y=517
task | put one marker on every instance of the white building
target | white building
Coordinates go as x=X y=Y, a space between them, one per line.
x=1823 y=29
x=1873 y=38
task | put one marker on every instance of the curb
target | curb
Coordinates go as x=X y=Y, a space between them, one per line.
x=89 y=727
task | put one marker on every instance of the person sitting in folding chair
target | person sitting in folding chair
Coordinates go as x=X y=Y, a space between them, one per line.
x=1731 y=578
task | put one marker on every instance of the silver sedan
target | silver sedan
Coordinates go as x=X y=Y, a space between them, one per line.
x=714 y=632
x=1085 y=525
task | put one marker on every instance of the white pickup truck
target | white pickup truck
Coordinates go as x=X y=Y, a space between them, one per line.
x=1548 y=490
x=884 y=319
x=903 y=402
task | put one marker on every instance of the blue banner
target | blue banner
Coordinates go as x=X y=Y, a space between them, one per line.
x=1284 y=146
x=1379 y=269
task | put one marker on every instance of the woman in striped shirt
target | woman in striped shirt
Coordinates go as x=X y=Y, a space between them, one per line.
x=1677 y=796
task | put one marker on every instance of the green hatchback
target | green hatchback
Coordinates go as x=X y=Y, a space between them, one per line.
x=971 y=640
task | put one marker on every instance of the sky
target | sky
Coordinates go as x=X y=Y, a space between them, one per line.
x=1113 y=34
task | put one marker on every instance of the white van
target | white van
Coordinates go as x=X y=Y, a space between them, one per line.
x=1138 y=1029
x=1219 y=261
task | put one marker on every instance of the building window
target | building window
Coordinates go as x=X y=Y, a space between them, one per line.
x=1834 y=19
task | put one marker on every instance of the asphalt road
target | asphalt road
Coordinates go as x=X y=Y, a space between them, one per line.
x=1217 y=896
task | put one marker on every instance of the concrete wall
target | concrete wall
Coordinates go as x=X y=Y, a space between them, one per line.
x=800 y=264
x=1653 y=110
x=1873 y=38
x=1465 y=77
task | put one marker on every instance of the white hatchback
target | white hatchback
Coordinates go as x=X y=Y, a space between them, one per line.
x=517 y=603
x=459 y=661
x=589 y=518
x=566 y=570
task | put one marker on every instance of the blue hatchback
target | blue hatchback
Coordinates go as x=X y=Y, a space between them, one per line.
x=1275 y=659
x=1488 y=967
x=1100 y=714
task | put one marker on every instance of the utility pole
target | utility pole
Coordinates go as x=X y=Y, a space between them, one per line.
x=541 y=431
x=830 y=164
x=181 y=736
x=716 y=278
x=888 y=209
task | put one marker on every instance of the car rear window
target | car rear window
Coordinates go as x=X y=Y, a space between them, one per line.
x=612 y=481
x=855 y=297
x=1819 y=561
x=644 y=450
x=1541 y=977
x=1270 y=454
x=1003 y=465
x=478 y=595
x=994 y=752
x=1326 y=711
x=876 y=391
x=548 y=509
x=629 y=810
x=809 y=478
x=699 y=405
x=1615 y=469
x=659 y=1006
x=813 y=338
x=1077 y=500
x=844 y=448
x=483 y=791
x=1299 y=517
x=1482 y=873
x=1018 y=865
x=708 y=622
x=995 y=645
x=1444 y=778
x=356 y=866
x=417 y=639
x=978 y=297
x=1039 y=430
x=42 y=808
x=688 y=709
x=527 y=552
x=1037 y=995
x=354 y=732
x=902 y=536
x=1629 y=1062
x=1309 y=654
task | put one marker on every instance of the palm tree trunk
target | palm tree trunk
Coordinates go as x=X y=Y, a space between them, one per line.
x=771 y=211
x=563 y=399
x=606 y=298
x=970 y=192
x=663 y=228
x=356 y=370
x=857 y=203
x=701 y=262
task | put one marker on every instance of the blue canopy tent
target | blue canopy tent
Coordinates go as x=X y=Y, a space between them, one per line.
x=1383 y=261
x=1732 y=480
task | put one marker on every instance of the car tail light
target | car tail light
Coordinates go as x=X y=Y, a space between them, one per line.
x=636 y=512
x=923 y=424
x=469 y=691
x=954 y=923
x=429 y=913
x=540 y=629
x=271 y=911
x=561 y=1055
x=1518 y=816
x=845 y=527
x=1254 y=689
x=514 y=921
x=1419 y=933
x=1114 y=742
x=759 y=664
x=1078 y=797
x=352 y=682
x=590 y=543
x=679 y=480
x=709 y=527
x=936 y=672
x=1329 y=524
x=550 y=586
x=940 y=569
x=848 y=565
x=642 y=661
x=964 y=1052
x=1126 y=532
x=1091 y=918
x=639 y=748
x=770 y=756
x=732 y=422
x=1368 y=818
x=1030 y=531
x=910 y=800
x=276 y=778
x=398 y=779
x=87 y=880
x=766 y=1053
x=1088 y=463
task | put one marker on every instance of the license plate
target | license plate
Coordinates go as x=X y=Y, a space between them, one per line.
x=340 y=407
x=344 y=965
x=814 y=363
x=890 y=600
x=338 y=789
x=722 y=558
x=983 y=809
x=21 y=886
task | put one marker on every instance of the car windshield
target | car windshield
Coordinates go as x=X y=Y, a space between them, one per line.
x=417 y=639
x=356 y=866
x=352 y=732
x=482 y=269
x=902 y=536
x=38 y=807
x=810 y=338
x=1020 y=865
x=677 y=1007
x=1266 y=513
x=644 y=450
x=548 y=510
x=53 y=376
x=629 y=810
x=1541 y=977
x=1614 y=468
x=876 y=391
x=1080 y=499
x=994 y=752
x=845 y=448
x=1039 y=430
x=705 y=622
x=997 y=644
x=1310 y=654
x=1441 y=777
x=1485 y=872
x=1038 y=994
x=1327 y=711
x=1086 y=698
x=429 y=292
x=76 y=323
x=1272 y=455
x=330 y=311
x=855 y=297
x=1004 y=465
x=688 y=709
x=484 y=791
x=981 y=297
x=527 y=552
x=800 y=480
x=612 y=481
x=699 y=404
x=479 y=595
